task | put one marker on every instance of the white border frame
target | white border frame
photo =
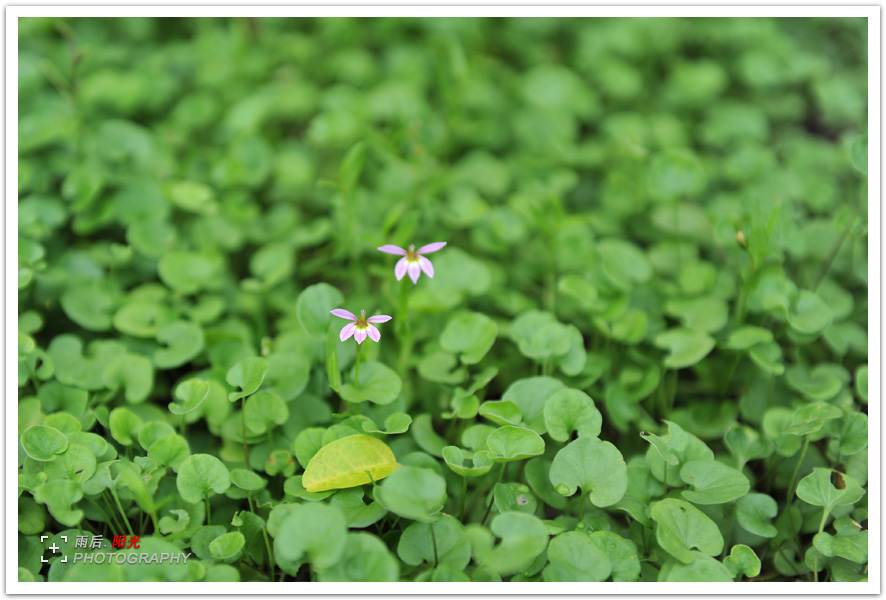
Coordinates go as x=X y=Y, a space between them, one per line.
x=361 y=8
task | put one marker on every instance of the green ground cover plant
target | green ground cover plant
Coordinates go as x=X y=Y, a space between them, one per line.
x=641 y=354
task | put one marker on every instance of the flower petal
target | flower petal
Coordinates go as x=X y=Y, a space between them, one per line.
x=344 y=314
x=414 y=271
x=379 y=319
x=373 y=333
x=400 y=268
x=347 y=331
x=359 y=335
x=426 y=266
x=427 y=249
x=392 y=249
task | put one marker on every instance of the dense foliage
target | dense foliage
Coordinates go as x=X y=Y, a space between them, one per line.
x=642 y=356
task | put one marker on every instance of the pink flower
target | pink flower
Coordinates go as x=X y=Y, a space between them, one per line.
x=413 y=262
x=361 y=326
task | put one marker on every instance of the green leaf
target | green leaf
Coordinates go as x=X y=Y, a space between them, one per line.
x=523 y=538
x=264 y=410
x=227 y=547
x=357 y=513
x=190 y=272
x=416 y=544
x=366 y=558
x=754 y=511
x=247 y=480
x=681 y=527
x=470 y=335
x=169 y=451
x=314 y=532
x=675 y=174
x=332 y=372
x=394 y=423
x=811 y=315
x=812 y=417
x=501 y=412
x=530 y=396
x=413 y=493
x=43 y=443
x=622 y=553
x=89 y=305
x=190 y=394
x=540 y=336
x=747 y=336
x=662 y=447
x=248 y=374
x=125 y=425
x=455 y=459
x=595 y=466
x=313 y=306
x=184 y=341
x=132 y=372
x=623 y=263
x=59 y=496
x=851 y=542
x=713 y=482
x=201 y=475
x=746 y=444
x=742 y=561
x=511 y=443
x=685 y=347
x=817 y=489
x=767 y=356
x=706 y=314
x=192 y=196
x=569 y=411
x=702 y=568
x=345 y=462
x=169 y=525
x=573 y=556
x=378 y=384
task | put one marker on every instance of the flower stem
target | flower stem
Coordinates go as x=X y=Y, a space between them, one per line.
x=492 y=499
x=357 y=366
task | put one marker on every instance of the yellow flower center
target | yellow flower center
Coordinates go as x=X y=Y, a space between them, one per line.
x=411 y=254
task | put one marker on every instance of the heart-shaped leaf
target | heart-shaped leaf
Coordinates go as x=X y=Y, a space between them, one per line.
x=349 y=462
x=595 y=466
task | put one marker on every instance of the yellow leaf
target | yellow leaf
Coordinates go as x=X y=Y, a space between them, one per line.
x=348 y=462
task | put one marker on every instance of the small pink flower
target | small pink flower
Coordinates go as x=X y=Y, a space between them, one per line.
x=361 y=328
x=413 y=262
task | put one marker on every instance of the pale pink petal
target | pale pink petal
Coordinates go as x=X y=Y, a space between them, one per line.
x=373 y=332
x=347 y=331
x=426 y=266
x=431 y=247
x=360 y=335
x=414 y=271
x=344 y=314
x=400 y=268
x=379 y=319
x=392 y=249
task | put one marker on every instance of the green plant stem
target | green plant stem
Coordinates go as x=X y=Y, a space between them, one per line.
x=208 y=511
x=791 y=489
x=122 y=514
x=434 y=542
x=264 y=533
x=403 y=329
x=357 y=366
x=501 y=473
x=464 y=495
x=243 y=433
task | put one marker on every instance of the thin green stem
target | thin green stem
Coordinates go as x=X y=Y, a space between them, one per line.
x=264 y=533
x=791 y=488
x=434 y=542
x=122 y=513
x=243 y=432
x=208 y=510
x=357 y=366
x=501 y=473
x=464 y=496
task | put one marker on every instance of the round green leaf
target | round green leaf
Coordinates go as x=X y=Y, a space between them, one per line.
x=530 y=396
x=573 y=556
x=416 y=544
x=681 y=527
x=184 y=341
x=455 y=458
x=713 y=482
x=314 y=532
x=571 y=410
x=366 y=558
x=685 y=347
x=742 y=561
x=89 y=306
x=501 y=412
x=818 y=489
x=43 y=443
x=190 y=394
x=523 y=538
x=595 y=466
x=413 y=493
x=228 y=546
x=313 y=306
x=511 y=443
x=702 y=568
x=394 y=423
x=248 y=374
x=264 y=410
x=200 y=475
x=470 y=335
x=378 y=383
x=811 y=315
x=189 y=272
x=754 y=511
